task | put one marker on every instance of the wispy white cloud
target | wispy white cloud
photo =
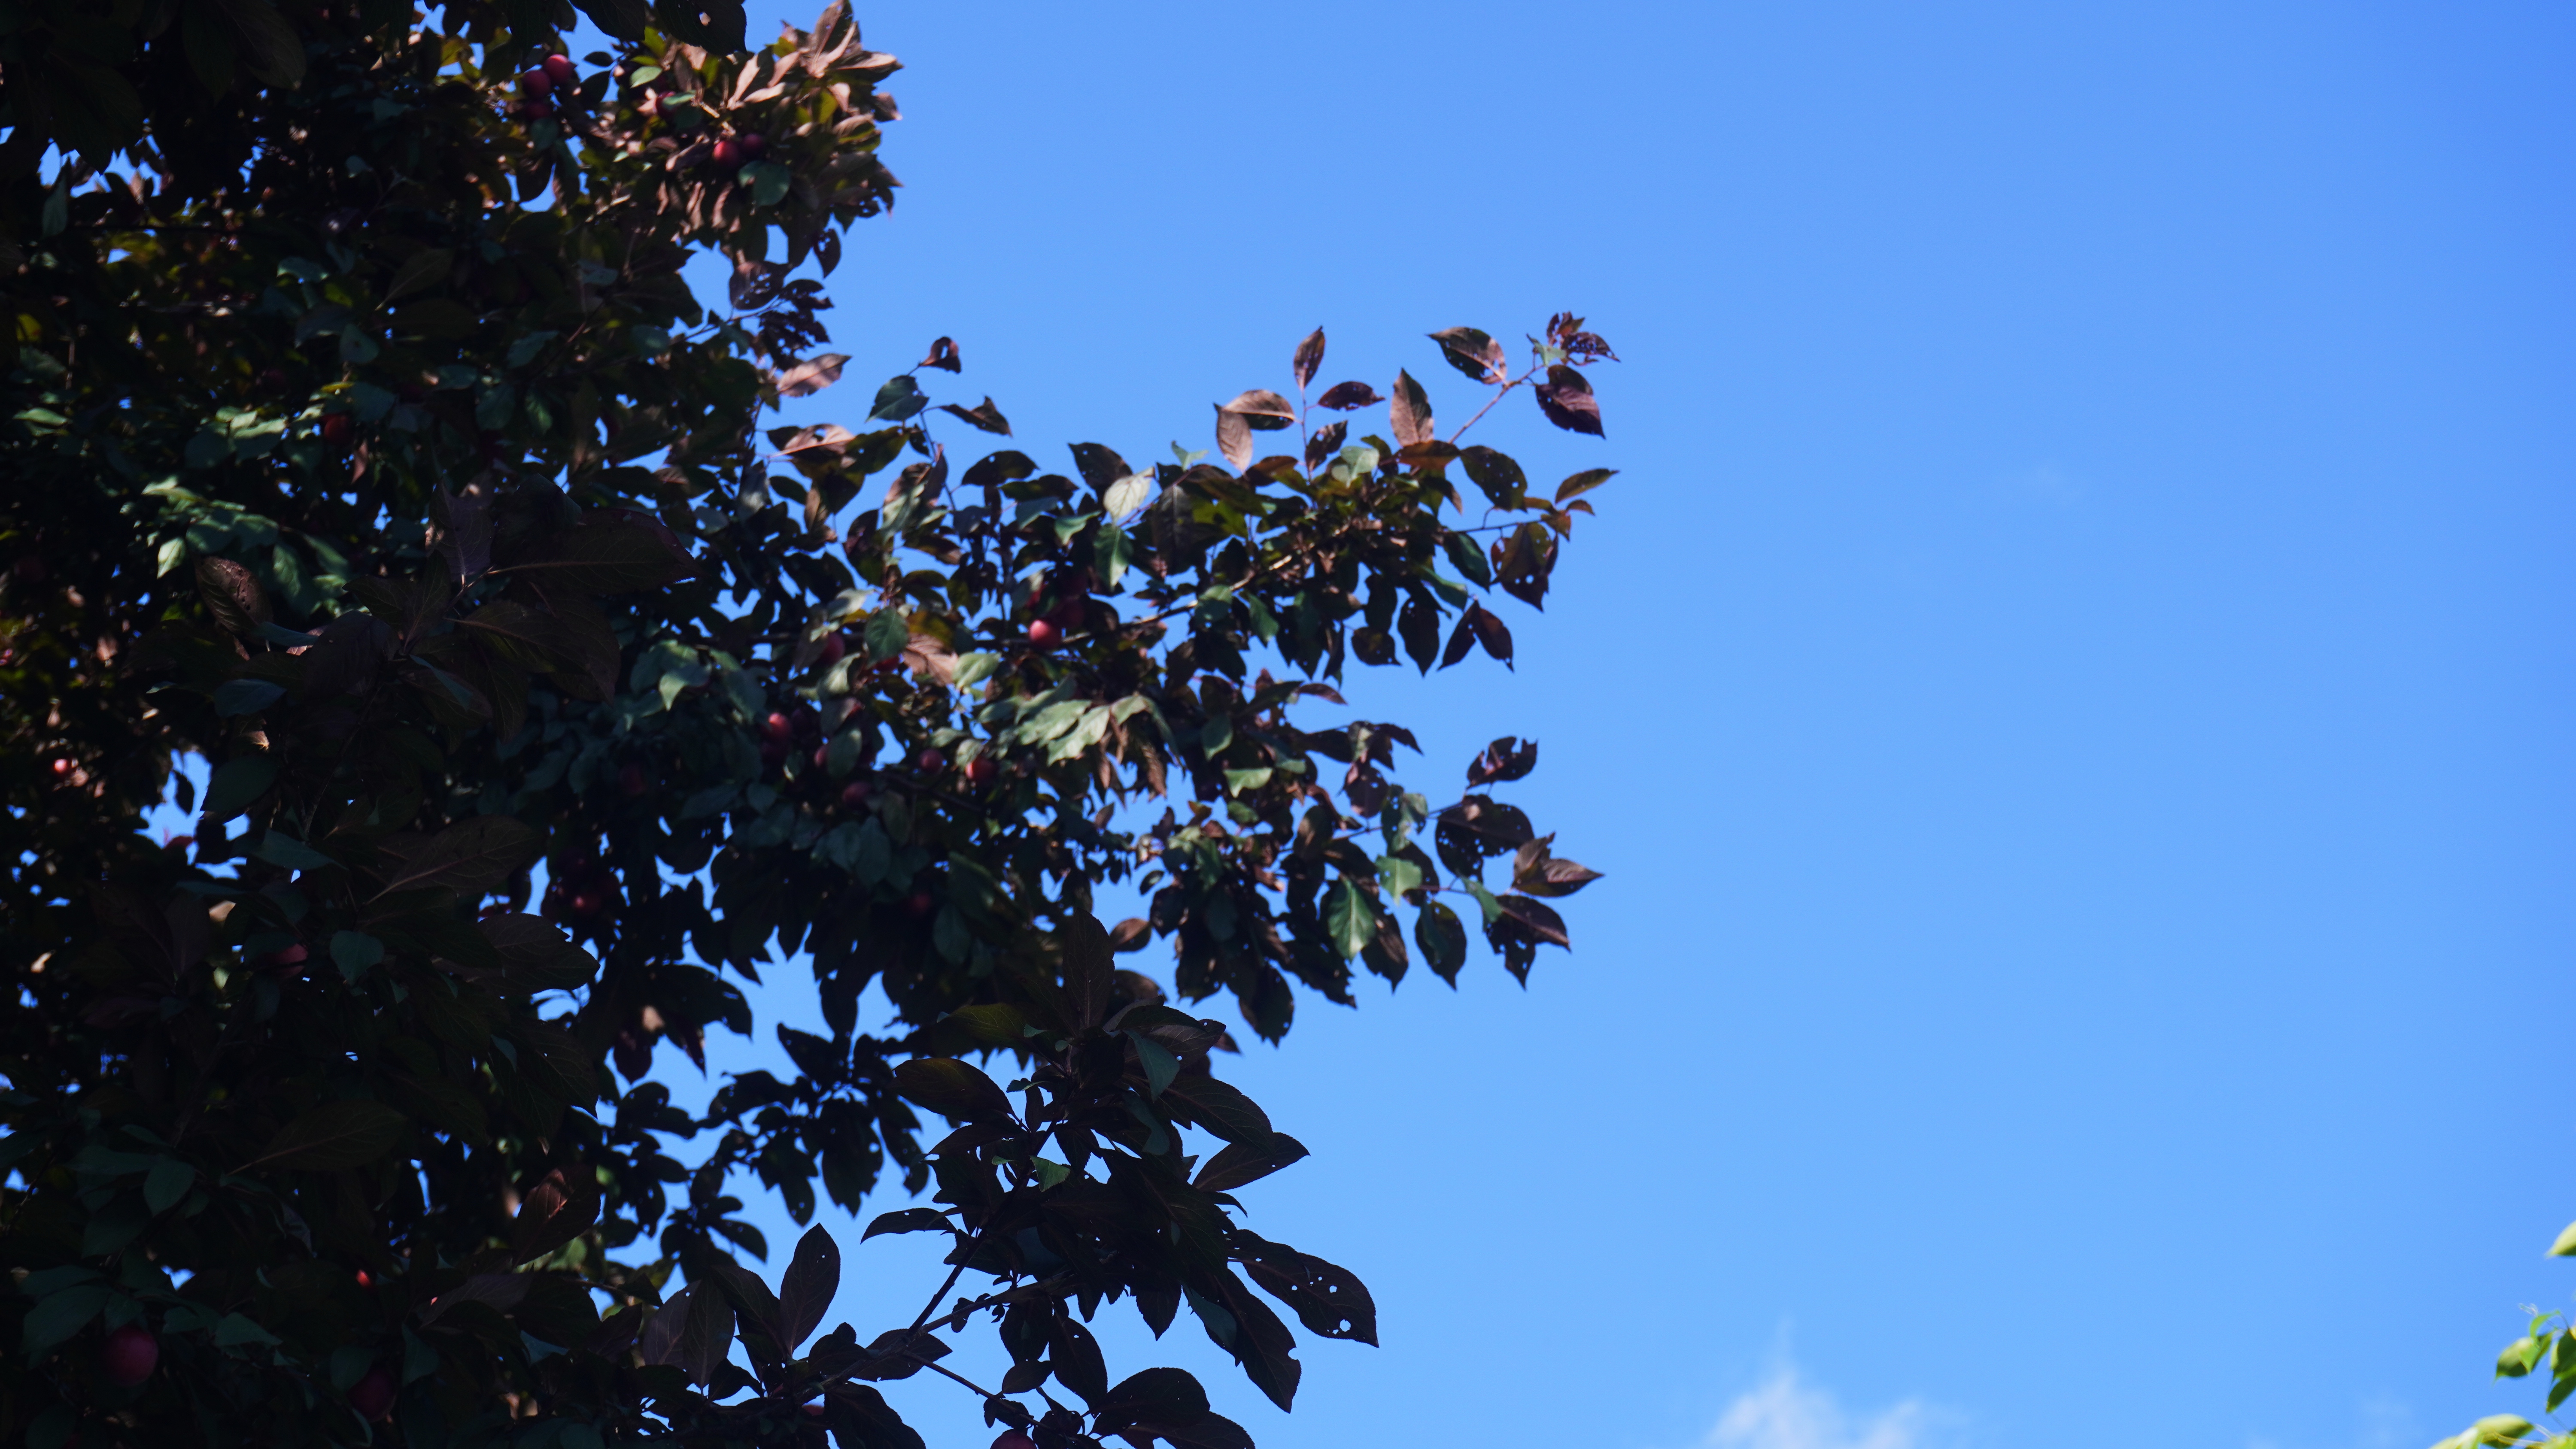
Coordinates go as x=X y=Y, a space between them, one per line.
x=1785 y=1412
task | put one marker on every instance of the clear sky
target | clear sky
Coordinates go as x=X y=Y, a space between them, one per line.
x=2070 y=687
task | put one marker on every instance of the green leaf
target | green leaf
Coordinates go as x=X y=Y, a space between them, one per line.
x=1157 y=1059
x=60 y=1315
x=354 y=951
x=332 y=1137
x=467 y=857
x=899 y=399
x=168 y=1182
x=1349 y=922
x=246 y=696
x=279 y=848
x=769 y=182
x=235 y=783
x=2565 y=1246
x=1129 y=494
x=1468 y=558
x=952 y=1089
x=1583 y=482
x=1398 y=875
x=908 y=1220
x=1443 y=939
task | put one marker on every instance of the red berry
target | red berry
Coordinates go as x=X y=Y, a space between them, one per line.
x=981 y=770
x=129 y=1355
x=822 y=756
x=778 y=726
x=291 y=955
x=1014 y=1439
x=373 y=1396
x=919 y=903
x=536 y=110
x=752 y=145
x=336 y=428
x=854 y=795
x=726 y=152
x=931 y=762
x=364 y=1281
x=833 y=647
x=630 y=780
x=536 y=82
x=1042 y=633
x=62 y=766
x=558 y=68
x=586 y=903
x=813 y=1411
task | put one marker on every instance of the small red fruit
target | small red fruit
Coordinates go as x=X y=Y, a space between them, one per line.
x=981 y=770
x=1042 y=633
x=291 y=955
x=62 y=765
x=586 y=903
x=833 y=647
x=1014 y=1439
x=558 y=68
x=536 y=82
x=726 y=152
x=813 y=1411
x=373 y=1396
x=854 y=795
x=777 y=726
x=919 y=903
x=534 y=109
x=822 y=756
x=630 y=780
x=364 y=1281
x=336 y=428
x=931 y=762
x=752 y=145
x=129 y=1355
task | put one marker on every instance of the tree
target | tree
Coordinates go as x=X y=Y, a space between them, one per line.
x=2548 y=1340
x=363 y=439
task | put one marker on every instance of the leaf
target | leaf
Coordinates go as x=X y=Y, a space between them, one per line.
x=620 y=553
x=332 y=1137
x=232 y=595
x=244 y=778
x=1308 y=357
x=908 y=1220
x=812 y=375
x=468 y=857
x=535 y=953
x=246 y=696
x=1495 y=475
x=623 y=19
x=1076 y=1356
x=268 y=46
x=1409 y=411
x=1418 y=625
x=1473 y=353
x=1348 y=920
x=1505 y=759
x=1566 y=400
x=59 y=1315
x=556 y=1211
x=420 y=271
x=168 y=1182
x=900 y=399
x=1263 y=410
x=951 y=1088
x=755 y=1308
x=983 y=415
x=805 y=1293
x=1538 y=873
x=1584 y=482
x=1239 y=1163
x=1443 y=939
x=943 y=354
x=354 y=952
x=707 y=1335
x=1128 y=495
x=1344 y=397
x=1330 y=1300
x=1155 y=1396
x=2565 y=1246
x=1234 y=438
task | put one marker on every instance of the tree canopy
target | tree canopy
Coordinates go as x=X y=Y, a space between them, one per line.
x=363 y=438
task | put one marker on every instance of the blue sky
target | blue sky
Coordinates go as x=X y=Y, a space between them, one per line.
x=2070 y=687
